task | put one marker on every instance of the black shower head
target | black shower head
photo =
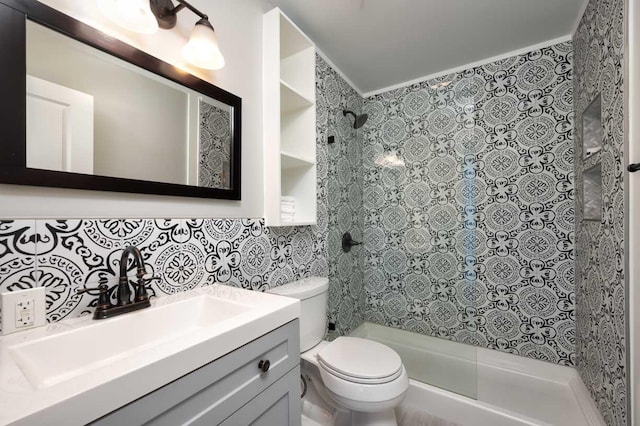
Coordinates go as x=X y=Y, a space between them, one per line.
x=359 y=120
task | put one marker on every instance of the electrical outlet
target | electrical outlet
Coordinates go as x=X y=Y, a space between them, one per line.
x=25 y=313
x=23 y=309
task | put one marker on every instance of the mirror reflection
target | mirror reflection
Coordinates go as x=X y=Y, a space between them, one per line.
x=91 y=113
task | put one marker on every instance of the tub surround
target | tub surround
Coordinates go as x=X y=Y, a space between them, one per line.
x=601 y=316
x=343 y=192
x=469 y=206
x=96 y=391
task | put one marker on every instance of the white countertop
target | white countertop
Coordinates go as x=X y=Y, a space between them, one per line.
x=84 y=398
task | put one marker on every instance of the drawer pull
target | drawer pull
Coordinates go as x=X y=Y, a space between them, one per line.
x=264 y=365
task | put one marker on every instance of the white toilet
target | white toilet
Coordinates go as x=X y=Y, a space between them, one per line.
x=360 y=377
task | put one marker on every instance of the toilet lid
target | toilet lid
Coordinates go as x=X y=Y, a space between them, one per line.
x=361 y=359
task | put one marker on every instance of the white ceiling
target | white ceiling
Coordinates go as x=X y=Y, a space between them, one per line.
x=381 y=43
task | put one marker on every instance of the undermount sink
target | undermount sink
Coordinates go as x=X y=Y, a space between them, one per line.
x=57 y=358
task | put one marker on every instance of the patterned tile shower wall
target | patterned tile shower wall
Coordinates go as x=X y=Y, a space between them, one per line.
x=601 y=345
x=64 y=255
x=344 y=195
x=469 y=206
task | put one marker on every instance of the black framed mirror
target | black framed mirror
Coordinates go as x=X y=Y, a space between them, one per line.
x=84 y=110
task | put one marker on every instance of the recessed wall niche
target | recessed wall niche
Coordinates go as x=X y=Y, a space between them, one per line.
x=592 y=128
x=593 y=193
x=591 y=148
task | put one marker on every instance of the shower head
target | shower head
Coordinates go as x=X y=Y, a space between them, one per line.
x=358 y=120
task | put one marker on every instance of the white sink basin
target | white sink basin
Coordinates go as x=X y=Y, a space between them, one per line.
x=60 y=357
x=77 y=370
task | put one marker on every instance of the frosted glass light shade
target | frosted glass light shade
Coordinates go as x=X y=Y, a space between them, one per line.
x=134 y=15
x=202 y=49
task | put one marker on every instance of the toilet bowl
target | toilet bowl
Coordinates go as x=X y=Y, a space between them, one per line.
x=364 y=377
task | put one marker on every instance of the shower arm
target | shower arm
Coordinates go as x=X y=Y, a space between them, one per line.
x=348 y=242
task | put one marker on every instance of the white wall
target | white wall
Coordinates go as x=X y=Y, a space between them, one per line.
x=239 y=28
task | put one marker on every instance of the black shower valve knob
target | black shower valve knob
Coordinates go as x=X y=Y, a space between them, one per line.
x=633 y=167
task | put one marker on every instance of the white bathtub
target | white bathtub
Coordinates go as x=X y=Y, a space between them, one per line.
x=501 y=389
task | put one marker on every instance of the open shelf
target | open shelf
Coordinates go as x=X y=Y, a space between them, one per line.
x=289 y=80
x=297 y=223
x=292 y=100
x=295 y=183
x=292 y=40
x=298 y=72
x=292 y=161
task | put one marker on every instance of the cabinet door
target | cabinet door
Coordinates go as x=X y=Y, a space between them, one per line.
x=278 y=405
x=218 y=389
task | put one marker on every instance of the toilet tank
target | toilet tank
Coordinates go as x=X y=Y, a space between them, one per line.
x=313 y=295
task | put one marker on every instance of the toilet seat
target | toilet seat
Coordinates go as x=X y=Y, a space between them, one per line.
x=361 y=374
x=360 y=361
x=364 y=381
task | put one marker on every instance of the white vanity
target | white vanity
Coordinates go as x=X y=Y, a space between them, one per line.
x=215 y=355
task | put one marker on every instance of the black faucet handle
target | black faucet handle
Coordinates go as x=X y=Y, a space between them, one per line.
x=95 y=291
x=141 y=288
x=102 y=291
x=148 y=281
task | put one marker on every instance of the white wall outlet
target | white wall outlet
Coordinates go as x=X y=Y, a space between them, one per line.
x=23 y=309
x=25 y=313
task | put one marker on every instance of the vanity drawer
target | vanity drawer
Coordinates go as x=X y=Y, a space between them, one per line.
x=213 y=392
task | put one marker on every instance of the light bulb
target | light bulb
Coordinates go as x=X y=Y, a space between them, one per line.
x=202 y=48
x=134 y=15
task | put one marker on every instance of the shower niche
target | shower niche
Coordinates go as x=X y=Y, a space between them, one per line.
x=592 y=136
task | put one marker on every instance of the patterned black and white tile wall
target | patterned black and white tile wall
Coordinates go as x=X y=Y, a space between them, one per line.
x=469 y=206
x=343 y=194
x=214 y=147
x=601 y=342
x=64 y=255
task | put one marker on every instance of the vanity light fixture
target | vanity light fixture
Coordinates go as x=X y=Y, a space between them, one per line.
x=202 y=48
x=134 y=15
x=146 y=16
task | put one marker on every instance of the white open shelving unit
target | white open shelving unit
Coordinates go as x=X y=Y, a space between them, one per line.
x=289 y=115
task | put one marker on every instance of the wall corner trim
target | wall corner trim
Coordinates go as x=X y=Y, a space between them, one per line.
x=339 y=72
x=552 y=42
x=576 y=24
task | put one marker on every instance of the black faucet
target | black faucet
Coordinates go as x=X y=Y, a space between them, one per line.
x=105 y=309
x=124 y=291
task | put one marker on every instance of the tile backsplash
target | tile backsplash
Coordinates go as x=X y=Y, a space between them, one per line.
x=64 y=255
